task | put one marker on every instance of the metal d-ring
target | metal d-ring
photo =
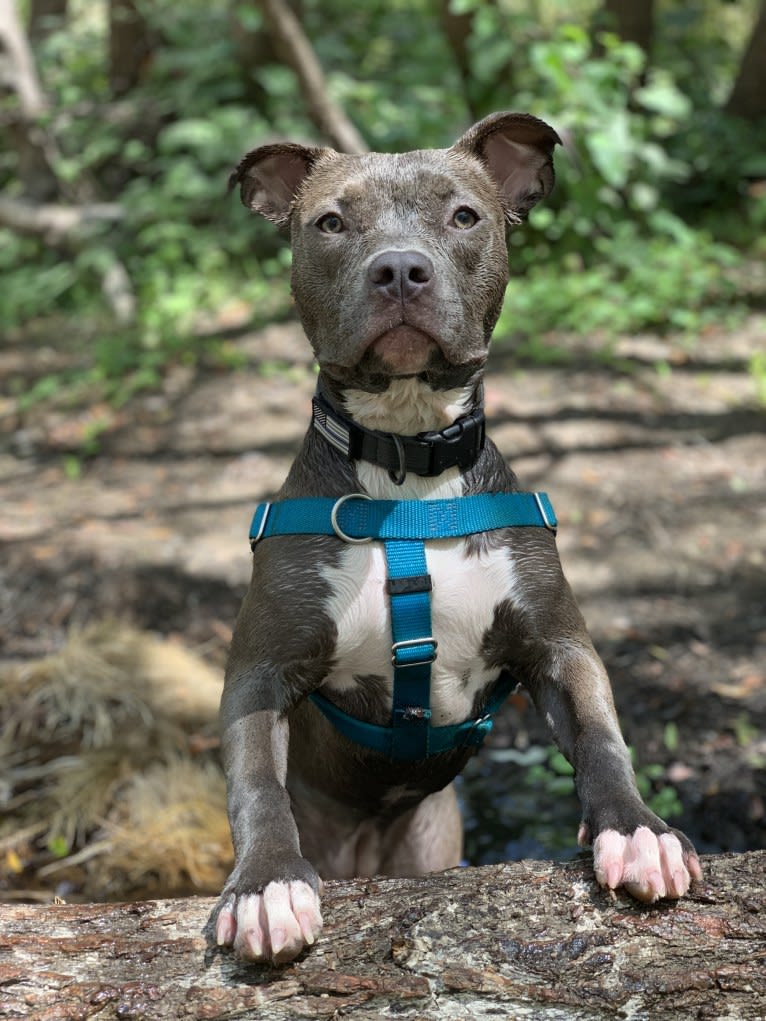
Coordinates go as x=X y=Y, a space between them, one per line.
x=334 y=519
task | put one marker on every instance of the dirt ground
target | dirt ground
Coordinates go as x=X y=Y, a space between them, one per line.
x=654 y=457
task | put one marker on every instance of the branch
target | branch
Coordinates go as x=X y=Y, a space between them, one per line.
x=296 y=50
x=529 y=939
x=21 y=73
x=58 y=224
x=55 y=222
x=35 y=146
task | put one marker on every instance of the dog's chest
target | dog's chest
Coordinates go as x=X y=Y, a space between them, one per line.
x=465 y=591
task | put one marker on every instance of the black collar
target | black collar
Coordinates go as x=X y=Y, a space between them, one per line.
x=427 y=454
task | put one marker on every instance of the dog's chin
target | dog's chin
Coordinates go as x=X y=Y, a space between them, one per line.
x=400 y=353
x=403 y=351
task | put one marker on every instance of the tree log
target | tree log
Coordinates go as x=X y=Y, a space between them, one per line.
x=523 y=940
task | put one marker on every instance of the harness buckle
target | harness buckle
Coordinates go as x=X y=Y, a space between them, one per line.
x=334 y=519
x=255 y=539
x=414 y=712
x=478 y=732
x=412 y=643
x=548 y=524
x=459 y=444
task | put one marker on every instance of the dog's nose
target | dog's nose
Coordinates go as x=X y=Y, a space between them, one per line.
x=401 y=275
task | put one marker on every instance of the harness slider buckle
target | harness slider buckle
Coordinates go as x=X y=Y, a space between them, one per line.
x=548 y=524
x=255 y=539
x=412 y=643
x=479 y=730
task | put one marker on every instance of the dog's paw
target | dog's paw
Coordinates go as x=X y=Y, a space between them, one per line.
x=275 y=925
x=649 y=865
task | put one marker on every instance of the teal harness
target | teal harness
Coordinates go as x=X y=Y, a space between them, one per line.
x=404 y=526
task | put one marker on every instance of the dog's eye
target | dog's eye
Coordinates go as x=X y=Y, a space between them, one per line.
x=330 y=223
x=464 y=218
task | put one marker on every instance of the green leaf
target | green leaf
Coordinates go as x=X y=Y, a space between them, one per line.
x=661 y=95
x=670 y=736
x=190 y=134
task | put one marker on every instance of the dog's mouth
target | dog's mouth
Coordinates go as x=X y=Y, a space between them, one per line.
x=404 y=350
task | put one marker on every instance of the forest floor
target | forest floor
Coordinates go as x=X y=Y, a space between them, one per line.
x=654 y=456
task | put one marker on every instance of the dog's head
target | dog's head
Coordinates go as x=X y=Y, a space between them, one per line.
x=400 y=260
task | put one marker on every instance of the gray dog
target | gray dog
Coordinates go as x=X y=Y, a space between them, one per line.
x=401 y=584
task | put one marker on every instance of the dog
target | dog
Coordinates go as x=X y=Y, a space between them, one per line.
x=367 y=660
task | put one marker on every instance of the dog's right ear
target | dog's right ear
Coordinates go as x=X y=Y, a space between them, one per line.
x=269 y=178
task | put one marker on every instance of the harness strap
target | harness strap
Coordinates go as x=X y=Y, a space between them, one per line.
x=470 y=734
x=404 y=526
x=358 y=518
x=413 y=649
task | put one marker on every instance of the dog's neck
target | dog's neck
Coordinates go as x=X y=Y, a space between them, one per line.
x=407 y=407
x=404 y=410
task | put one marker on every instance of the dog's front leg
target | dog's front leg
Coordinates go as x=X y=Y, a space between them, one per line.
x=269 y=908
x=632 y=846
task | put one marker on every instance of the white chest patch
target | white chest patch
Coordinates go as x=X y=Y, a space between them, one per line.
x=465 y=592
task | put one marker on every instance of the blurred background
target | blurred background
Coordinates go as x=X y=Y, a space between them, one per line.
x=122 y=120
x=155 y=385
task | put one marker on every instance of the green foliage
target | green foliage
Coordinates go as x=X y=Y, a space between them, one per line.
x=552 y=773
x=678 y=282
x=646 y=228
x=608 y=252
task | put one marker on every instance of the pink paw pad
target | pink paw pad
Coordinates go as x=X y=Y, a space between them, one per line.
x=648 y=865
x=274 y=925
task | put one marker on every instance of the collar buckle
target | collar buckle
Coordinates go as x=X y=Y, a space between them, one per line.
x=458 y=445
x=428 y=454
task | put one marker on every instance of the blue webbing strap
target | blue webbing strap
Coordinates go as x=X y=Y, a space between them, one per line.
x=469 y=734
x=358 y=518
x=403 y=526
x=413 y=649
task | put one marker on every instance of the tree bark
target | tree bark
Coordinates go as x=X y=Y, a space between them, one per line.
x=131 y=44
x=35 y=148
x=748 y=94
x=524 y=940
x=633 y=21
x=457 y=28
x=253 y=48
x=45 y=16
x=293 y=45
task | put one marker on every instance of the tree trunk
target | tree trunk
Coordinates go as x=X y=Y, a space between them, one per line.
x=35 y=147
x=254 y=48
x=748 y=95
x=525 y=940
x=457 y=28
x=633 y=20
x=45 y=17
x=294 y=47
x=131 y=44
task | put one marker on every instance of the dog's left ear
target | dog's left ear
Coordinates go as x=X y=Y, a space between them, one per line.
x=517 y=150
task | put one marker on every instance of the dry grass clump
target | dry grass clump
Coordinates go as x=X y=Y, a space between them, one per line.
x=109 y=782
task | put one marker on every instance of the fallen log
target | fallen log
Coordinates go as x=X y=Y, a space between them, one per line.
x=523 y=940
